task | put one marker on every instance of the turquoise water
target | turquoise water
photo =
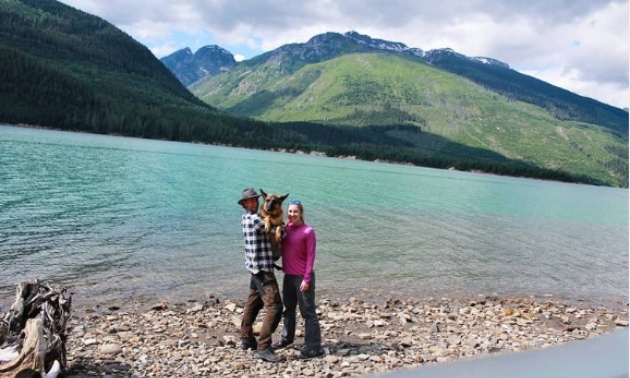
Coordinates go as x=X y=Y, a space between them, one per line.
x=112 y=217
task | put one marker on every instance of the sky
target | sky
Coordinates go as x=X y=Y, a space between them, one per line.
x=578 y=45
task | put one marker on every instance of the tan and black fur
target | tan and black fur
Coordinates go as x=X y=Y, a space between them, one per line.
x=271 y=212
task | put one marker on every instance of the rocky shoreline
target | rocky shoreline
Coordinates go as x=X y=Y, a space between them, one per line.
x=194 y=338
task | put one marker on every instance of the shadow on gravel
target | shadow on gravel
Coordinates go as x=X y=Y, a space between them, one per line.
x=82 y=367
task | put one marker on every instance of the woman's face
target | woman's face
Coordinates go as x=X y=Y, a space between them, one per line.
x=294 y=214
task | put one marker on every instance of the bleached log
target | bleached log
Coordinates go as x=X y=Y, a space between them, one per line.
x=33 y=352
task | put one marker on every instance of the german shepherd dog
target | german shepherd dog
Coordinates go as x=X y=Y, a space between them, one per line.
x=271 y=212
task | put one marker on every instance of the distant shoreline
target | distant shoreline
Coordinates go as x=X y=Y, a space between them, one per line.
x=312 y=153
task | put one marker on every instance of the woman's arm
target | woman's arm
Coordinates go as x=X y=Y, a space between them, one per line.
x=310 y=246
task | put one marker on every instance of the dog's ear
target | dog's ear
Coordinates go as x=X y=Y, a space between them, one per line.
x=284 y=197
x=263 y=193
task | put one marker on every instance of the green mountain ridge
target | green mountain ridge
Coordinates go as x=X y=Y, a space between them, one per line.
x=361 y=89
x=559 y=102
x=487 y=72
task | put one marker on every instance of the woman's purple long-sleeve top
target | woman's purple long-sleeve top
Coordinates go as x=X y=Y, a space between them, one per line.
x=298 y=251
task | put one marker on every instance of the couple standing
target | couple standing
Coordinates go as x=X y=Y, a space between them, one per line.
x=298 y=286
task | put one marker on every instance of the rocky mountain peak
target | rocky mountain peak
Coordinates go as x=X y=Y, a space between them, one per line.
x=379 y=44
x=324 y=38
x=213 y=49
x=207 y=61
x=184 y=53
x=212 y=59
x=438 y=55
x=490 y=61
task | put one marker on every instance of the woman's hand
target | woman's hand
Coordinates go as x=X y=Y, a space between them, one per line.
x=304 y=286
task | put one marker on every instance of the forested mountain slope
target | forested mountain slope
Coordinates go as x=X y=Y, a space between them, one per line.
x=558 y=102
x=63 y=68
x=383 y=89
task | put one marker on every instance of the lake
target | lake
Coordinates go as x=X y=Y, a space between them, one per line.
x=112 y=217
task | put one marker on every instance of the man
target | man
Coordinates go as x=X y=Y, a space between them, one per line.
x=263 y=288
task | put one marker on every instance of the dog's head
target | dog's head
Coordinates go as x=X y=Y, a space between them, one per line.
x=272 y=203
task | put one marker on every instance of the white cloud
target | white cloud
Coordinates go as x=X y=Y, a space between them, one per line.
x=163 y=50
x=609 y=93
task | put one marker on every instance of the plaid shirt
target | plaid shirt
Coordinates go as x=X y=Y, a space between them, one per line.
x=258 y=254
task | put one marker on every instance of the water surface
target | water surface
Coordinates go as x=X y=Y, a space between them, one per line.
x=113 y=217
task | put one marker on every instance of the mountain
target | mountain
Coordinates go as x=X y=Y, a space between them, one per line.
x=66 y=69
x=487 y=72
x=207 y=61
x=559 y=102
x=358 y=81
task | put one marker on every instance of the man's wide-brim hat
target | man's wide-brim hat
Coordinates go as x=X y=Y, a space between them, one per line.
x=247 y=194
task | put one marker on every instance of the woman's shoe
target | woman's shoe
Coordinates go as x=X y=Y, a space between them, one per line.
x=311 y=352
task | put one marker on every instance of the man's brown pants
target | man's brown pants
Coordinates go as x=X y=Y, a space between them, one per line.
x=263 y=293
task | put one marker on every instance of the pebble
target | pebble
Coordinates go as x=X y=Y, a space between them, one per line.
x=359 y=336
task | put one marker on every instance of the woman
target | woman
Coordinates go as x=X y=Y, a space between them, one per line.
x=298 y=286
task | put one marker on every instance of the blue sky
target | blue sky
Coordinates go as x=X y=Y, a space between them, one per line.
x=579 y=45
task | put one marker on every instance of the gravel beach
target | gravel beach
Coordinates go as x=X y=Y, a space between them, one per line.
x=200 y=337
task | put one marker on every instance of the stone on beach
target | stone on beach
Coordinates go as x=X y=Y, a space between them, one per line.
x=359 y=337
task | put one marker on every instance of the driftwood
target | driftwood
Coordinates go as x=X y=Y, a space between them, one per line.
x=33 y=332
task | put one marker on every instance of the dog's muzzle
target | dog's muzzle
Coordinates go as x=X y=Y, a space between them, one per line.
x=270 y=206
